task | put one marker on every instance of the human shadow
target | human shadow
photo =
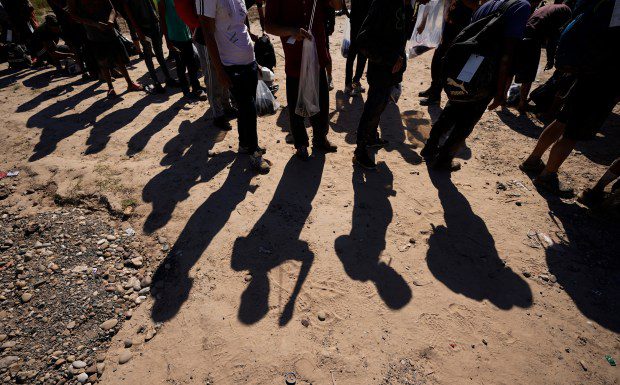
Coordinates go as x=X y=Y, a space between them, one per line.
x=204 y=224
x=190 y=161
x=399 y=135
x=53 y=93
x=521 y=123
x=45 y=77
x=462 y=254
x=10 y=76
x=274 y=239
x=360 y=251
x=586 y=262
x=348 y=111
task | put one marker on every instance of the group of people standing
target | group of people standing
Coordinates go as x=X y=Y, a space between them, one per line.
x=216 y=35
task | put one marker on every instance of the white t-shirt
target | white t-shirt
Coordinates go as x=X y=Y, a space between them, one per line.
x=231 y=33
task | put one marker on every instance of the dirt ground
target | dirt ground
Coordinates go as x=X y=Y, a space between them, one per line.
x=399 y=276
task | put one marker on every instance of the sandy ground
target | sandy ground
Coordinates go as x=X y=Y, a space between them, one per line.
x=421 y=278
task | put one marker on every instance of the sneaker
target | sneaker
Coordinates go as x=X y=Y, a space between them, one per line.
x=551 y=183
x=302 y=153
x=246 y=150
x=446 y=165
x=362 y=159
x=201 y=95
x=260 y=164
x=532 y=167
x=222 y=123
x=591 y=198
x=431 y=100
x=325 y=145
x=377 y=143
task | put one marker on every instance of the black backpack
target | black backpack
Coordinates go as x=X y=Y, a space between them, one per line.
x=264 y=52
x=482 y=38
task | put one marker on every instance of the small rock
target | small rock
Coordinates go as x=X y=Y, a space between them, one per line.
x=26 y=297
x=583 y=365
x=71 y=325
x=79 y=364
x=100 y=368
x=527 y=274
x=322 y=316
x=124 y=357
x=305 y=322
x=484 y=342
x=82 y=378
x=128 y=343
x=544 y=277
x=553 y=278
x=109 y=324
x=149 y=334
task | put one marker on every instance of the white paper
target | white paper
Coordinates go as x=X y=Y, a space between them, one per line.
x=291 y=40
x=470 y=68
x=615 y=16
x=9 y=35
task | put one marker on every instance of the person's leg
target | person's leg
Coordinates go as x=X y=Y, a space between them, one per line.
x=178 y=56
x=359 y=68
x=610 y=175
x=320 y=121
x=148 y=60
x=297 y=127
x=558 y=154
x=445 y=121
x=549 y=136
x=158 y=50
x=245 y=79
x=192 y=61
x=348 y=72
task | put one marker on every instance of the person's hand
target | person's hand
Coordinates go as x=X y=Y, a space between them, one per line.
x=301 y=34
x=398 y=65
x=498 y=100
x=224 y=79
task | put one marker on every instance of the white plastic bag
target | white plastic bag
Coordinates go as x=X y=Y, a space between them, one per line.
x=266 y=103
x=308 y=94
x=430 y=18
x=346 y=39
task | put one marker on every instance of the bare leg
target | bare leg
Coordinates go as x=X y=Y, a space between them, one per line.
x=131 y=86
x=549 y=136
x=612 y=174
x=558 y=154
x=525 y=92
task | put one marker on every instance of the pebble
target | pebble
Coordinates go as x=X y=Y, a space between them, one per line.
x=82 y=378
x=583 y=366
x=149 y=334
x=26 y=297
x=305 y=322
x=110 y=238
x=109 y=324
x=128 y=343
x=71 y=325
x=322 y=316
x=124 y=357
x=544 y=277
x=527 y=274
x=100 y=368
x=78 y=364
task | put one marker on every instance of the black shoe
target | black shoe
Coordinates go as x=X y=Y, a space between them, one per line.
x=426 y=93
x=551 y=183
x=446 y=165
x=246 y=150
x=159 y=89
x=591 y=198
x=431 y=100
x=302 y=153
x=377 y=143
x=429 y=151
x=172 y=83
x=325 y=146
x=362 y=159
x=222 y=123
x=535 y=167
x=231 y=112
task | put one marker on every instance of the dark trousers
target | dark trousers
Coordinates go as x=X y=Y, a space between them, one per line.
x=186 y=59
x=462 y=118
x=359 y=69
x=447 y=37
x=380 y=83
x=320 y=121
x=244 y=80
x=153 y=46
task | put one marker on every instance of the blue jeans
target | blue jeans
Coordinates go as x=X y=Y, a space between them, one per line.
x=244 y=80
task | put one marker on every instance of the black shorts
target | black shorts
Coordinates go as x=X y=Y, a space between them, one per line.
x=528 y=58
x=587 y=106
x=110 y=54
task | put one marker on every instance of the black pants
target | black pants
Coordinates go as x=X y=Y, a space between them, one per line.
x=462 y=117
x=447 y=37
x=152 y=46
x=320 y=121
x=359 y=69
x=186 y=59
x=380 y=82
x=244 y=79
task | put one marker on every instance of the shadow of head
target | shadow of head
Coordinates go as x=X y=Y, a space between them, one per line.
x=462 y=254
x=360 y=251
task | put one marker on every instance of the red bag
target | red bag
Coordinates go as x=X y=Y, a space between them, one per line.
x=187 y=12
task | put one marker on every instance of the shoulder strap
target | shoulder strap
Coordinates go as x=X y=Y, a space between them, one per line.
x=312 y=17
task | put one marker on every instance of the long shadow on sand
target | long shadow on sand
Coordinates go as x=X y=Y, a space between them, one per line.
x=462 y=254
x=360 y=251
x=276 y=234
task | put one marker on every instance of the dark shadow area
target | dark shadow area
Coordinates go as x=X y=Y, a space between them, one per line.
x=601 y=150
x=10 y=76
x=392 y=129
x=462 y=254
x=360 y=251
x=206 y=222
x=274 y=239
x=349 y=111
x=434 y=110
x=187 y=154
x=49 y=95
x=586 y=264
x=44 y=77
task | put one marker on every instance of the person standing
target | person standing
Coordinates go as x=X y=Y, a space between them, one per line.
x=98 y=17
x=463 y=116
x=143 y=17
x=382 y=40
x=179 y=40
x=457 y=17
x=290 y=19
x=357 y=15
x=230 y=49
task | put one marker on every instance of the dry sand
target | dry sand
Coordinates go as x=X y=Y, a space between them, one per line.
x=421 y=278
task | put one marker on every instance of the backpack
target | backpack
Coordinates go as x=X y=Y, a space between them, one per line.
x=476 y=49
x=18 y=56
x=585 y=43
x=264 y=52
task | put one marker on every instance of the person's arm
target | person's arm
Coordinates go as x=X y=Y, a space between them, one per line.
x=208 y=31
x=50 y=48
x=132 y=20
x=504 y=74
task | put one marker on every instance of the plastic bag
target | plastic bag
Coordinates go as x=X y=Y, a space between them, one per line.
x=430 y=21
x=308 y=96
x=346 y=39
x=266 y=103
x=514 y=93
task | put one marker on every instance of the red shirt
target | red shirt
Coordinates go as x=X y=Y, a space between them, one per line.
x=296 y=14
